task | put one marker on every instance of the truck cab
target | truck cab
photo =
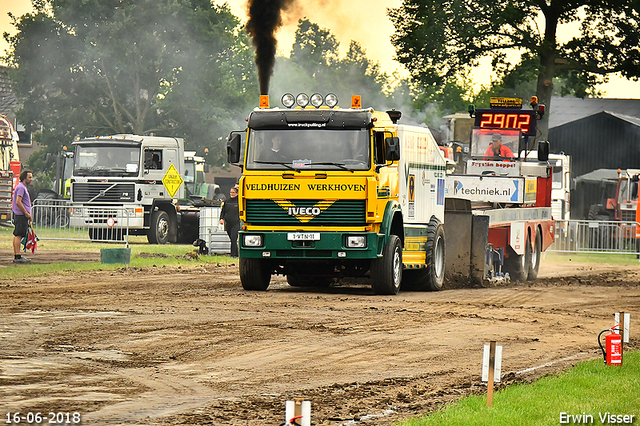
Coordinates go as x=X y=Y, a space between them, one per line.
x=561 y=186
x=331 y=192
x=128 y=183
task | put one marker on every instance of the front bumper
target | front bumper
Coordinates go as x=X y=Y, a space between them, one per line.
x=329 y=245
x=102 y=217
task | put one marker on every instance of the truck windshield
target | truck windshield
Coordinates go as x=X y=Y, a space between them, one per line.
x=495 y=143
x=308 y=149
x=106 y=160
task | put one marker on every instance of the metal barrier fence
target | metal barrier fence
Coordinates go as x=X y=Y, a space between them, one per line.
x=51 y=220
x=591 y=236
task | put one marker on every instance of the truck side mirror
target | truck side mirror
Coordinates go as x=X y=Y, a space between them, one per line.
x=206 y=167
x=392 y=148
x=233 y=149
x=543 y=151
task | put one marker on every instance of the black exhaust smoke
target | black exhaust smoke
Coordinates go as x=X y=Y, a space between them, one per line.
x=265 y=17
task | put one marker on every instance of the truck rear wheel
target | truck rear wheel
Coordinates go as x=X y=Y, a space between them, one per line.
x=435 y=255
x=254 y=274
x=386 y=272
x=430 y=278
x=159 y=228
x=535 y=258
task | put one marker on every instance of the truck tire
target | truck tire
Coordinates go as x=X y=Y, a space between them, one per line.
x=430 y=278
x=535 y=258
x=254 y=274
x=62 y=220
x=435 y=255
x=386 y=271
x=518 y=265
x=308 y=281
x=159 y=228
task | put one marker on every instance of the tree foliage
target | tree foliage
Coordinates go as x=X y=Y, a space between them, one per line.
x=315 y=65
x=94 y=67
x=437 y=40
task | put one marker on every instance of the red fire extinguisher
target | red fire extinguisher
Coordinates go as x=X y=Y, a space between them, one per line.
x=613 y=344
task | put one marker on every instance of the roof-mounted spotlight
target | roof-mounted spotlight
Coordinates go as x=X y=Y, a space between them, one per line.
x=302 y=100
x=331 y=100
x=316 y=100
x=288 y=100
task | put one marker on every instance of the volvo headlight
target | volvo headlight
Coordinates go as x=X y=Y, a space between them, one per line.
x=252 y=240
x=356 y=241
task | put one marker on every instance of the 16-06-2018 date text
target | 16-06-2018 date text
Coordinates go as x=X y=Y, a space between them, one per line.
x=51 y=418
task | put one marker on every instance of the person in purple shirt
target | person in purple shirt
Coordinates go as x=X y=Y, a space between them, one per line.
x=21 y=207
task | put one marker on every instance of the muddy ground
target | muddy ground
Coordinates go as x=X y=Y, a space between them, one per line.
x=187 y=345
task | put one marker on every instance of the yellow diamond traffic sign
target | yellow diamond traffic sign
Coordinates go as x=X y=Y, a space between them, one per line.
x=172 y=180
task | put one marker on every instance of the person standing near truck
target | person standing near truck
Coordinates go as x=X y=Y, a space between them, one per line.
x=230 y=216
x=21 y=207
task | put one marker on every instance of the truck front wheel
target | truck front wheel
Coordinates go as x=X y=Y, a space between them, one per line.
x=159 y=228
x=386 y=271
x=254 y=274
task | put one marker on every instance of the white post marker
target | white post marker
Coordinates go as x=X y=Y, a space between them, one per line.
x=624 y=324
x=298 y=407
x=491 y=367
x=623 y=328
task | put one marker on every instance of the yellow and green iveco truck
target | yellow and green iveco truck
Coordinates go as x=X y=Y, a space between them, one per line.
x=328 y=192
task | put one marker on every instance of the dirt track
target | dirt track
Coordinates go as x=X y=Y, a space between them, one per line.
x=165 y=346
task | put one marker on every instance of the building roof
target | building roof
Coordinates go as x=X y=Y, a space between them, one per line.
x=566 y=110
x=599 y=175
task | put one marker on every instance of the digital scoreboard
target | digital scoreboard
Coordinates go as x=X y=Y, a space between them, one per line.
x=525 y=120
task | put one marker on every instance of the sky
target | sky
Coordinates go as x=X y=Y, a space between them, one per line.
x=364 y=21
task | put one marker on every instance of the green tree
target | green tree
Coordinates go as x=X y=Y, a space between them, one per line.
x=95 y=67
x=315 y=49
x=315 y=66
x=439 y=39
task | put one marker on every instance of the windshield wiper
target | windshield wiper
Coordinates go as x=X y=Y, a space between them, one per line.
x=81 y=171
x=329 y=163
x=281 y=163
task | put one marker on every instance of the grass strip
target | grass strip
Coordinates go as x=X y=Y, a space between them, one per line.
x=587 y=393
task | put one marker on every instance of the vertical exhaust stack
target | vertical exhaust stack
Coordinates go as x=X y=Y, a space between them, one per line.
x=265 y=17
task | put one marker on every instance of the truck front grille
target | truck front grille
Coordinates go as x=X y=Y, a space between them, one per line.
x=339 y=213
x=98 y=192
x=99 y=215
x=628 y=215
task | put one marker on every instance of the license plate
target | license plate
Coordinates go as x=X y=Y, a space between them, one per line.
x=303 y=236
